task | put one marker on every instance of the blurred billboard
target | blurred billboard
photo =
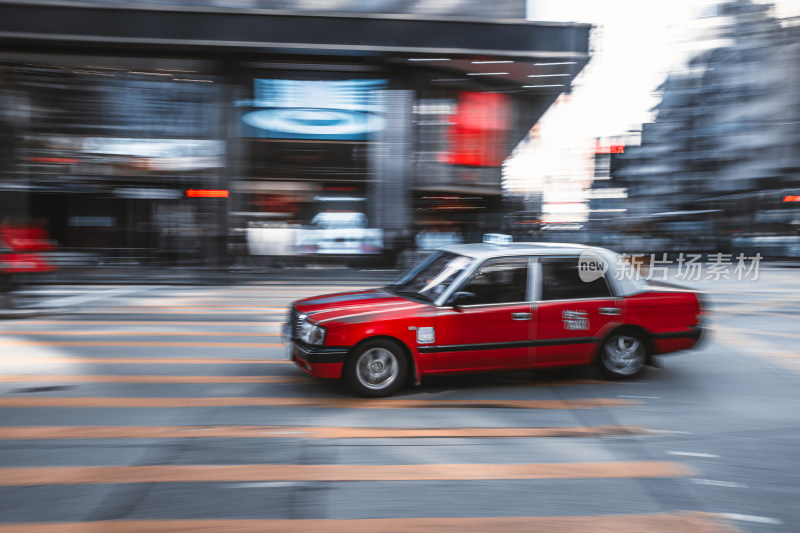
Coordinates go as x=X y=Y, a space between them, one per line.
x=313 y=109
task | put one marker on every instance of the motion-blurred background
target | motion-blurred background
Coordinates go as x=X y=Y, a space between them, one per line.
x=250 y=134
x=175 y=173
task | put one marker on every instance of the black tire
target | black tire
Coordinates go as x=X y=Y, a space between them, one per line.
x=377 y=368
x=623 y=355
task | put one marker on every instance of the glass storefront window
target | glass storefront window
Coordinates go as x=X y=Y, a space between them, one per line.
x=305 y=138
x=106 y=148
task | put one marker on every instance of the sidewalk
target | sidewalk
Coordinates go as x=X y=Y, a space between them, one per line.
x=208 y=276
x=86 y=282
x=8 y=310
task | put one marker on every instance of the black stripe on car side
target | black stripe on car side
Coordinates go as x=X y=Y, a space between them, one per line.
x=692 y=333
x=505 y=345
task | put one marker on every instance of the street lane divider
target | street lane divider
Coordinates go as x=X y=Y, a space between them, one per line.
x=335 y=403
x=683 y=522
x=93 y=475
x=307 y=432
x=140 y=378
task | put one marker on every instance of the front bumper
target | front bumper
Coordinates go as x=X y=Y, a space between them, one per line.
x=319 y=361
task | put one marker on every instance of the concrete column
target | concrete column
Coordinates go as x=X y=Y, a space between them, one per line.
x=390 y=164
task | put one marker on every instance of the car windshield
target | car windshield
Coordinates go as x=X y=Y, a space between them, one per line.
x=432 y=276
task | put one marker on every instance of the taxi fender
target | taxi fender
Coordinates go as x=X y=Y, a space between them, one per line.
x=412 y=361
x=354 y=335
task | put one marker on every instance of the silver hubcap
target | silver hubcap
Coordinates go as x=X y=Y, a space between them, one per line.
x=624 y=355
x=377 y=368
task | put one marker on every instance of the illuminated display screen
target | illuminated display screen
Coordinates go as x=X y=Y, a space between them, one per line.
x=319 y=109
x=479 y=130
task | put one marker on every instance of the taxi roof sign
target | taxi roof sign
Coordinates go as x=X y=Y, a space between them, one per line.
x=497 y=238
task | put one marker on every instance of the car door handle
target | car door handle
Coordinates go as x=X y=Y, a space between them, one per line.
x=610 y=311
x=520 y=316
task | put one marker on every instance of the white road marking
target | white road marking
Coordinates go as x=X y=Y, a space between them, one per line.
x=265 y=484
x=716 y=483
x=692 y=454
x=90 y=296
x=750 y=518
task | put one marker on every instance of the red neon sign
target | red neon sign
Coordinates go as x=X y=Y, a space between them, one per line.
x=65 y=160
x=791 y=198
x=479 y=131
x=609 y=149
x=206 y=193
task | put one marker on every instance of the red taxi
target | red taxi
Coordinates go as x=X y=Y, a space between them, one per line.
x=489 y=307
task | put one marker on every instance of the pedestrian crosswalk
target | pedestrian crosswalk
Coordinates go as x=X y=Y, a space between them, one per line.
x=110 y=424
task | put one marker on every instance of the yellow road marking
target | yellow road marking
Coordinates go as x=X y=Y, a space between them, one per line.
x=84 y=378
x=683 y=522
x=259 y=432
x=72 y=475
x=338 y=403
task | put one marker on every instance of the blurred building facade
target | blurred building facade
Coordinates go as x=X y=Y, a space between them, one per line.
x=168 y=133
x=719 y=169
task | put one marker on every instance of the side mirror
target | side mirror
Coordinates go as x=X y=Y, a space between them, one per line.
x=461 y=298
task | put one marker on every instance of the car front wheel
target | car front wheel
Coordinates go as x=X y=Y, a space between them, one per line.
x=623 y=355
x=378 y=368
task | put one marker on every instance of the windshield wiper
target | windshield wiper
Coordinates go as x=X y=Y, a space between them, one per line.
x=410 y=293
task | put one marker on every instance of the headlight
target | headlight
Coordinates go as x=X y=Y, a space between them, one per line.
x=311 y=334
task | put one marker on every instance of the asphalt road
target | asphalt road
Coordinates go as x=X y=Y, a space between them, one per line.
x=155 y=408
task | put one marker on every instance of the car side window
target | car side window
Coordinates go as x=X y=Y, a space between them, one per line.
x=501 y=280
x=561 y=281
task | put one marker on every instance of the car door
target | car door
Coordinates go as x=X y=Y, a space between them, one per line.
x=572 y=312
x=491 y=329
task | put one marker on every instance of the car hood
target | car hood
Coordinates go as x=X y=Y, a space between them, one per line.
x=356 y=306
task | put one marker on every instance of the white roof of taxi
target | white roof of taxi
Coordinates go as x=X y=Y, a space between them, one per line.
x=483 y=250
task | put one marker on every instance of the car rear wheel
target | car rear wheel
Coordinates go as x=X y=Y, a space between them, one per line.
x=623 y=355
x=377 y=368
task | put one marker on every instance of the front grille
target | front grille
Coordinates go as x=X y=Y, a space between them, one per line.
x=294 y=322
